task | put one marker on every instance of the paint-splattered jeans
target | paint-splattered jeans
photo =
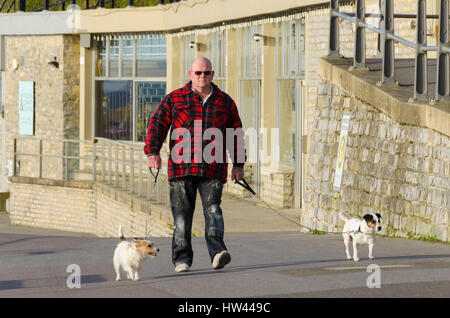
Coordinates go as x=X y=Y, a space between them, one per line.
x=183 y=192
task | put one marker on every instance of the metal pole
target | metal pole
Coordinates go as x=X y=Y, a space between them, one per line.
x=333 y=49
x=22 y=5
x=124 y=168
x=381 y=26
x=388 y=71
x=132 y=170
x=116 y=166
x=442 y=67
x=420 y=80
x=94 y=158
x=359 y=60
x=109 y=163
x=140 y=173
x=14 y=157
x=40 y=158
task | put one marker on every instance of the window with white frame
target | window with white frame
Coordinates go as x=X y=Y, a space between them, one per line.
x=290 y=42
x=290 y=69
x=130 y=82
x=216 y=50
x=188 y=52
x=250 y=52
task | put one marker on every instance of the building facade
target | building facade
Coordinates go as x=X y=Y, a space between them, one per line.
x=114 y=66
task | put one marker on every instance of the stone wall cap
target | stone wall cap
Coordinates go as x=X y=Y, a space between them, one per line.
x=393 y=100
x=81 y=184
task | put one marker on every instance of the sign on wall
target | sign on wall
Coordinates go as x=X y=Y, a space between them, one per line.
x=341 y=151
x=26 y=107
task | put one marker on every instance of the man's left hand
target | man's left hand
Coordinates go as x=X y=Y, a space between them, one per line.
x=237 y=173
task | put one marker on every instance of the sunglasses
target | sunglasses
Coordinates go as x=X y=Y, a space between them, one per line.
x=198 y=73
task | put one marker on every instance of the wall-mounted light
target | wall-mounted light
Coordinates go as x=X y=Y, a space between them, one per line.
x=192 y=45
x=53 y=62
x=15 y=64
x=257 y=37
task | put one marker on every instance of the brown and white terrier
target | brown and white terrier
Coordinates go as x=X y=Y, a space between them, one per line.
x=130 y=254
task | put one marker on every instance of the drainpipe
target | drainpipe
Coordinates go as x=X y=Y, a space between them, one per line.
x=2 y=109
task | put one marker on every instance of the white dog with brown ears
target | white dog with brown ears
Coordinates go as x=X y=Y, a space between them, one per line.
x=130 y=254
x=360 y=232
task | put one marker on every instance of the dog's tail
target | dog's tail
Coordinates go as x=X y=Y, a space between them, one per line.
x=343 y=216
x=121 y=236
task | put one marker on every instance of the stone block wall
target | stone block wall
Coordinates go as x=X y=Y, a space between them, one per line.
x=278 y=188
x=56 y=95
x=86 y=207
x=54 y=206
x=401 y=171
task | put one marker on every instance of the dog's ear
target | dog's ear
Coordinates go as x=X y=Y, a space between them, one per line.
x=368 y=218
x=378 y=215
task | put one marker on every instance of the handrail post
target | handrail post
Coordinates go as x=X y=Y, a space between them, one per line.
x=420 y=70
x=65 y=162
x=40 y=158
x=132 y=170
x=359 y=60
x=124 y=168
x=333 y=43
x=140 y=173
x=388 y=49
x=22 y=5
x=94 y=158
x=381 y=26
x=14 y=172
x=109 y=163
x=442 y=67
x=116 y=166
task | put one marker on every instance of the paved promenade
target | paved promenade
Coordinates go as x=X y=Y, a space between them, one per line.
x=287 y=264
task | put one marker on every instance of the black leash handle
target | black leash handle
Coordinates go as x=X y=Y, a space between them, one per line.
x=245 y=186
x=157 y=173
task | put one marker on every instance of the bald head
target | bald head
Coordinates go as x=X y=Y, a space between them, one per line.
x=201 y=61
x=201 y=81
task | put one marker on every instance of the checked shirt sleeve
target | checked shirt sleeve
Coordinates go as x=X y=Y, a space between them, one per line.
x=158 y=127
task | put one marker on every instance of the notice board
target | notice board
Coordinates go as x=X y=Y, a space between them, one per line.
x=26 y=107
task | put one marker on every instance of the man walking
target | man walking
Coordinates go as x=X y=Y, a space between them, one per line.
x=200 y=115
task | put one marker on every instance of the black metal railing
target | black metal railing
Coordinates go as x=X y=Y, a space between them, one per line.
x=387 y=39
x=7 y=6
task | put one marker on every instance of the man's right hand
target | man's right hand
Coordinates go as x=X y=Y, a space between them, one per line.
x=154 y=161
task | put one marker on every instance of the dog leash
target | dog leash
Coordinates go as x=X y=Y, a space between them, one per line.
x=246 y=186
x=149 y=207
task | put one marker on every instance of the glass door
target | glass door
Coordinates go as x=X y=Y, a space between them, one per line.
x=290 y=115
x=249 y=110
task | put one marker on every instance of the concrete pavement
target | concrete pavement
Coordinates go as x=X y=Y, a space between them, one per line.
x=272 y=264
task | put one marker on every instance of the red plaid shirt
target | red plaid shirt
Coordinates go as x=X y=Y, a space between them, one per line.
x=183 y=112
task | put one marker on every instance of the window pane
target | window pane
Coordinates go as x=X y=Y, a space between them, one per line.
x=248 y=100
x=100 y=68
x=287 y=100
x=187 y=57
x=127 y=58
x=151 y=57
x=149 y=95
x=113 y=58
x=291 y=49
x=217 y=52
x=250 y=51
x=114 y=109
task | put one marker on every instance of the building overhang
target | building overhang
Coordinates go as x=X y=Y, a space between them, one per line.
x=161 y=18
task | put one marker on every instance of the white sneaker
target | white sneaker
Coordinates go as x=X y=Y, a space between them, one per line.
x=221 y=259
x=181 y=268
